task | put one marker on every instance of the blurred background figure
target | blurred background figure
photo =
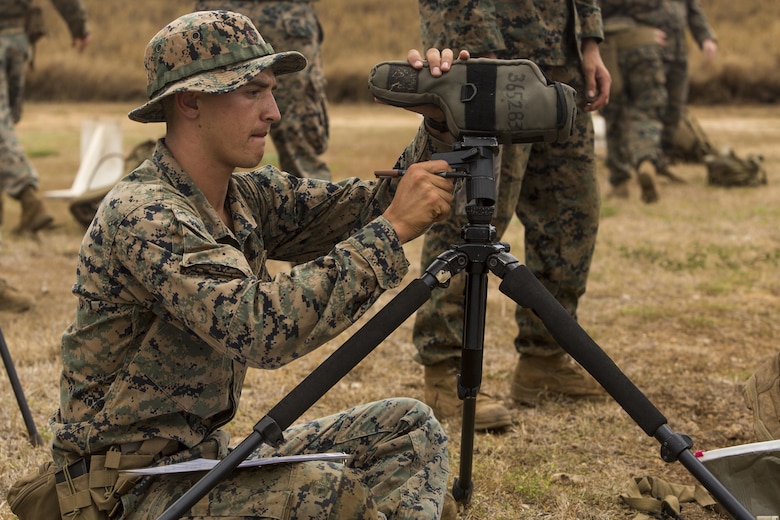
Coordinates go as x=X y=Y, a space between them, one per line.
x=302 y=135
x=638 y=101
x=21 y=25
x=683 y=15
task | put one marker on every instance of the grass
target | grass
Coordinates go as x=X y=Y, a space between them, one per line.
x=683 y=296
x=110 y=70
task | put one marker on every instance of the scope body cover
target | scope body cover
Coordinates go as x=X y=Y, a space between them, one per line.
x=511 y=100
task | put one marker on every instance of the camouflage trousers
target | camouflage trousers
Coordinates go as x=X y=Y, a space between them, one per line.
x=303 y=133
x=552 y=189
x=677 y=95
x=16 y=171
x=398 y=467
x=634 y=116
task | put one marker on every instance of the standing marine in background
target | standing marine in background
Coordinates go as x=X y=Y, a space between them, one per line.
x=684 y=14
x=302 y=135
x=638 y=103
x=551 y=187
x=18 y=177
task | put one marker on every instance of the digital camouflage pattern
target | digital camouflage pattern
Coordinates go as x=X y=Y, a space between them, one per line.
x=397 y=468
x=72 y=11
x=685 y=14
x=551 y=187
x=530 y=29
x=634 y=115
x=303 y=134
x=16 y=171
x=165 y=290
x=673 y=17
x=213 y=51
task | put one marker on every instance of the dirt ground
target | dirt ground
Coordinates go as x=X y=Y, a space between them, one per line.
x=683 y=296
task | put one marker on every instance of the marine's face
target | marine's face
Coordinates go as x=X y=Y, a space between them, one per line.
x=238 y=122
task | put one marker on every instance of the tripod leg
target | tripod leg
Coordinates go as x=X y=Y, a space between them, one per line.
x=523 y=287
x=32 y=431
x=470 y=378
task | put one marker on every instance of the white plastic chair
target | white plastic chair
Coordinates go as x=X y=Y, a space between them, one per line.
x=102 y=162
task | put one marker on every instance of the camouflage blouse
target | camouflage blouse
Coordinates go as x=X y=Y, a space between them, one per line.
x=173 y=306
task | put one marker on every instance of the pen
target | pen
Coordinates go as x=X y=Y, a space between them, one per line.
x=389 y=173
x=385 y=174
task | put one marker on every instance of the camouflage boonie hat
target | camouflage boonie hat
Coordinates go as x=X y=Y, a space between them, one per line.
x=207 y=51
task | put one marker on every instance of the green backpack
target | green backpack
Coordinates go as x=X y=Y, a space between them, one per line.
x=728 y=170
x=690 y=144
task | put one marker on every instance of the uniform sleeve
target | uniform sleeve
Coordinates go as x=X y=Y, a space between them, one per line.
x=75 y=16
x=460 y=24
x=589 y=15
x=210 y=289
x=697 y=22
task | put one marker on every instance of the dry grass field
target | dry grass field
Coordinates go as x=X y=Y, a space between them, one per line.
x=684 y=296
x=360 y=33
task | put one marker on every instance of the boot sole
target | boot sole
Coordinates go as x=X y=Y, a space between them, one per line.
x=649 y=193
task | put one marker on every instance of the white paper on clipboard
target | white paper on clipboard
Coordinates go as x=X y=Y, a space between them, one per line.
x=207 y=464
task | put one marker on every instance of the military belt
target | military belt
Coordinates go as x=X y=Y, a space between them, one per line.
x=81 y=466
x=639 y=36
x=74 y=470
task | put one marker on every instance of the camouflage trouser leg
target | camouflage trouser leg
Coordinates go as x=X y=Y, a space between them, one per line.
x=557 y=201
x=303 y=133
x=634 y=118
x=677 y=91
x=398 y=468
x=16 y=171
x=646 y=101
x=618 y=155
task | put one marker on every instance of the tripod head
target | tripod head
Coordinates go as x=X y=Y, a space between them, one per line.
x=485 y=102
x=474 y=157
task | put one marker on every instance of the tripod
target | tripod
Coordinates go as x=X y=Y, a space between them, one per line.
x=32 y=431
x=478 y=255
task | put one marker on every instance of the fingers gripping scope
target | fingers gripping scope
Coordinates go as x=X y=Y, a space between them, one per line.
x=511 y=100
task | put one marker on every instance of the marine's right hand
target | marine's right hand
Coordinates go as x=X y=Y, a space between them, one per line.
x=422 y=198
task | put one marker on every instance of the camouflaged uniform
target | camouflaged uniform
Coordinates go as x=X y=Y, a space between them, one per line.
x=635 y=113
x=685 y=14
x=302 y=135
x=559 y=200
x=173 y=307
x=16 y=171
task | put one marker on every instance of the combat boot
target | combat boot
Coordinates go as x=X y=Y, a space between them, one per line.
x=441 y=394
x=34 y=215
x=450 y=509
x=646 y=174
x=538 y=376
x=12 y=300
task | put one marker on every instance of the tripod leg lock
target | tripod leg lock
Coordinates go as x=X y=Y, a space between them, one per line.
x=464 y=391
x=673 y=445
x=502 y=263
x=270 y=432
